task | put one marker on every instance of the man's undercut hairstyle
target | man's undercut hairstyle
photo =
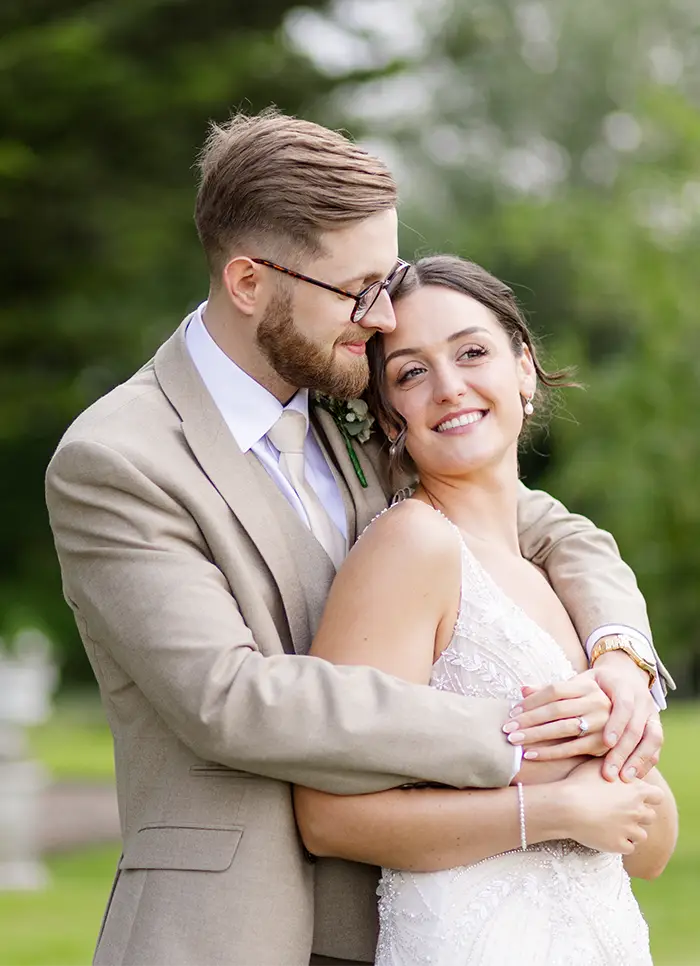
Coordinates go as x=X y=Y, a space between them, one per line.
x=280 y=181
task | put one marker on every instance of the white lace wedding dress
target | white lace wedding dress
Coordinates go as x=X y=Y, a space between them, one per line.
x=558 y=903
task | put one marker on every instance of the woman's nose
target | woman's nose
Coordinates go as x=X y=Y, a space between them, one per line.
x=449 y=385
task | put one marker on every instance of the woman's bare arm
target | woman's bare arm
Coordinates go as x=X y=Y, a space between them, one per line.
x=428 y=829
x=396 y=595
x=651 y=856
x=425 y=830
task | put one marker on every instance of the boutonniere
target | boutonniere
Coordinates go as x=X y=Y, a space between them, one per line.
x=354 y=420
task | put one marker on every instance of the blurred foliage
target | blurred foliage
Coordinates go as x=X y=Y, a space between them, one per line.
x=103 y=107
x=558 y=143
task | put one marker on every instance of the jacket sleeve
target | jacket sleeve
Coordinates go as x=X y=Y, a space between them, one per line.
x=138 y=577
x=583 y=565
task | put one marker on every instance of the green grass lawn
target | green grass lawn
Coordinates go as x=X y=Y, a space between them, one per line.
x=671 y=903
x=58 y=927
x=76 y=742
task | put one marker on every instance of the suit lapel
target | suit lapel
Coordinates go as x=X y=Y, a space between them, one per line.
x=250 y=494
x=367 y=502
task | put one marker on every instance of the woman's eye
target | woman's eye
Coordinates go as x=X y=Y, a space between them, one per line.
x=409 y=374
x=473 y=352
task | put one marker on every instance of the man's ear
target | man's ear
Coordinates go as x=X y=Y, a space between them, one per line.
x=243 y=281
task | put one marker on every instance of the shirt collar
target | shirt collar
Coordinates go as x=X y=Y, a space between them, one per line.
x=249 y=410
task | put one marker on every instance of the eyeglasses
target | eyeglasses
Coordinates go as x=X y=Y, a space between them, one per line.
x=365 y=299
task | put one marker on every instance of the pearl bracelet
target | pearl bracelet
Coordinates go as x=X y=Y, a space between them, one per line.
x=521 y=808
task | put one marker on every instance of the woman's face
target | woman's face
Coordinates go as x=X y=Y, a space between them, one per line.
x=452 y=373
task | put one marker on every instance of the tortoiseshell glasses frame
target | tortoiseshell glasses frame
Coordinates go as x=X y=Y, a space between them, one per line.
x=364 y=300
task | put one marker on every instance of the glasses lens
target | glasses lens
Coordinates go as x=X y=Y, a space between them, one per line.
x=364 y=304
x=394 y=282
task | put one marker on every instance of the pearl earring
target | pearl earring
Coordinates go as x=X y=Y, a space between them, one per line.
x=528 y=408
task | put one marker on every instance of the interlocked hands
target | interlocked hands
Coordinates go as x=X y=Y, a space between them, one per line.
x=621 y=719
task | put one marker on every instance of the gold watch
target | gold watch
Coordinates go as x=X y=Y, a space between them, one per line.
x=623 y=642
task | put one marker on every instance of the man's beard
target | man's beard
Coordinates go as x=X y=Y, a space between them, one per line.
x=303 y=363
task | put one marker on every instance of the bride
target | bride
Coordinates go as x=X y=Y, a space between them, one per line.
x=437 y=592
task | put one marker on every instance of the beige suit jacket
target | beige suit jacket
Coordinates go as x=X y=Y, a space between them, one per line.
x=196 y=590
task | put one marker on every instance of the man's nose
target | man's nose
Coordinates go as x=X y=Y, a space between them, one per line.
x=381 y=316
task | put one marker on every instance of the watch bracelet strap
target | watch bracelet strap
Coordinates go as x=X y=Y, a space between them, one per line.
x=622 y=643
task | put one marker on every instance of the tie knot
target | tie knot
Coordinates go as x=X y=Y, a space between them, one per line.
x=289 y=432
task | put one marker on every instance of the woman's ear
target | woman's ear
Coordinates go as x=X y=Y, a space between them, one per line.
x=527 y=373
x=389 y=430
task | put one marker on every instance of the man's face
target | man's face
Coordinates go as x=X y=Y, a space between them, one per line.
x=306 y=333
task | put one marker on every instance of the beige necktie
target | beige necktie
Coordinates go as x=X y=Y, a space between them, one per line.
x=288 y=435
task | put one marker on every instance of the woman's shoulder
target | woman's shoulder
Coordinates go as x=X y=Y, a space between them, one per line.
x=410 y=529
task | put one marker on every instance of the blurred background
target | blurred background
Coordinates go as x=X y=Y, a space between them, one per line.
x=555 y=142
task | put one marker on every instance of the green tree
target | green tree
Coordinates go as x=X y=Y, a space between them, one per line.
x=558 y=143
x=103 y=107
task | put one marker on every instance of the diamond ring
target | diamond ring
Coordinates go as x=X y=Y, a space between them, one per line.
x=583 y=727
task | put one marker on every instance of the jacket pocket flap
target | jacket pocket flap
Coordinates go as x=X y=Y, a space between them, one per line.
x=187 y=848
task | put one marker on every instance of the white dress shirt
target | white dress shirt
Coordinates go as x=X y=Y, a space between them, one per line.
x=250 y=411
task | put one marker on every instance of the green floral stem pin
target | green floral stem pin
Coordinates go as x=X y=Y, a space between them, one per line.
x=354 y=420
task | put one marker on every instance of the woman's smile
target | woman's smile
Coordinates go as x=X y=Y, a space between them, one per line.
x=455 y=424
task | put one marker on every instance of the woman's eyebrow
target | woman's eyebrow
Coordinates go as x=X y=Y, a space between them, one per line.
x=412 y=351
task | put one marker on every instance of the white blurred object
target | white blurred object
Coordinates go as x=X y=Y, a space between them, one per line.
x=27 y=680
x=21 y=785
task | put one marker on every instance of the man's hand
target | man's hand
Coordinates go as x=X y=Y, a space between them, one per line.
x=633 y=732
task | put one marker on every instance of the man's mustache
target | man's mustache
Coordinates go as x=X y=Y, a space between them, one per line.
x=353 y=337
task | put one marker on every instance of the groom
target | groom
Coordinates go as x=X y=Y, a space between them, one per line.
x=200 y=511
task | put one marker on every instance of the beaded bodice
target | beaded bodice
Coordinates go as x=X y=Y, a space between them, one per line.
x=558 y=903
x=496 y=647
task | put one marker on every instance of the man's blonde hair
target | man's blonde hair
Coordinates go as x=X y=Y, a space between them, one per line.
x=282 y=181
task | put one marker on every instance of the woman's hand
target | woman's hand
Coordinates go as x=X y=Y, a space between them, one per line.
x=608 y=816
x=547 y=722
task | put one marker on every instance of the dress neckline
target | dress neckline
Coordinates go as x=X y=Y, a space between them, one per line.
x=494 y=587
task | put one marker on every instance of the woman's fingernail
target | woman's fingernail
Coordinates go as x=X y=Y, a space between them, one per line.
x=516 y=711
x=516 y=737
x=510 y=726
x=613 y=770
x=530 y=755
x=612 y=739
x=630 y=773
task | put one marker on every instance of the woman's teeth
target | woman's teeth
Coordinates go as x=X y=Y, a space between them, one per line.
x=464 y=420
